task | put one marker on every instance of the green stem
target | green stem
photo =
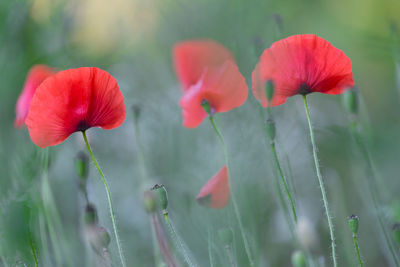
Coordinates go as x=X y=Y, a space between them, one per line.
x=234 y=203
x=178 y=241
x=283 y=180
x=33 y=249
x=210 y=254
x=121 y=255
x=140 y=150
x=321 y=183
x=372 y=186
x=357 y=250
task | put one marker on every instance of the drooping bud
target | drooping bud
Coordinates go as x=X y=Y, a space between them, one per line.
x=353 y=223
x=396 y=233
x=225 y=236
x=149 y=202
x=206 y=106
x=162 y=195
x=270 y=129
x=103 y=236
x=269 y=90
x=298 y=259
x=91 y=217
x=81 y=165
x=350 y=100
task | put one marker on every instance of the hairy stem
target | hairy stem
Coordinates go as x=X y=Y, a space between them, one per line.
x=121 y=255
x=321 y=183
x=234 y=203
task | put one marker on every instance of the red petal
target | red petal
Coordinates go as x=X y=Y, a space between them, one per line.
x=74 y=100
x=224 y=87
x=215 y=193
x=37 y=74
x=301 y=60
x=191 y=57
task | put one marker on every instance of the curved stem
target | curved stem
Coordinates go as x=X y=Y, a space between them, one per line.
x=283 y=180
x=33 y=249
x=121 y=255
x=178 y=241
x=372 y=186
x=210 y=252
x=234 y=203
x=321 y=183
x=357 y=250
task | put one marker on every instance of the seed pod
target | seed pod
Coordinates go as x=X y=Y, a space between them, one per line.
x=162 y=195
x=350 y=101
x=353 y=223
x=206 y=106
x=298 y=259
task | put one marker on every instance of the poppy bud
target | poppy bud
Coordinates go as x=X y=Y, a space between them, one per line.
x=81 y=165
x=269 y=90
x=298 y=259
x=206 y=106
x=353 y=223
x=103 y=236
x=396 y=233
x=136 y=111
x=350 y=101
x=149 y=202
x=225 y=236
x=162 y=195
x=270 y=129
x=90 y=217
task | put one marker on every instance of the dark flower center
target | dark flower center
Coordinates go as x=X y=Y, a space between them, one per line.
x=304 y=89
x=82 y=126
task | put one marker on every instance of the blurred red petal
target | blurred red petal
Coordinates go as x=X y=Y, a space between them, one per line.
x=224 y=87
x=301 y=62
x=36 y=75
x=192 y=57
x=74 y=100
x=215 y=193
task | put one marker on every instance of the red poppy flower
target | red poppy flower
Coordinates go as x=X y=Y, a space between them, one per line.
x=36 y=75
x=301 y=64
x=207 y=71
x=215 y=193
x=74 y=100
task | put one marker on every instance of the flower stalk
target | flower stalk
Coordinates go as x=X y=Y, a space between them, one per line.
x=112 y=214
x=321 y=183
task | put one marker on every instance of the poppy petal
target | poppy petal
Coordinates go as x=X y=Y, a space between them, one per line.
x=36 y=75
x=215 y=193
x=192 y=57
x=223 y=87
x=298 y=63
x=74 y=100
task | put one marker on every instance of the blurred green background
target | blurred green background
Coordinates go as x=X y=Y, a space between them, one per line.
x=132 y=39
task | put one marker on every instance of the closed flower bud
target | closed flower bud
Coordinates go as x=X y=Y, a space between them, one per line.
x=298 y=259
x=162 y=196
x=225 y=236
x=353 y=223
x=103 y=236
x=269 y=90
x=81 y=165
x=396 y=233
x=90 y=217
x=350 y=101
x=149 y=202
x=270 y=129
